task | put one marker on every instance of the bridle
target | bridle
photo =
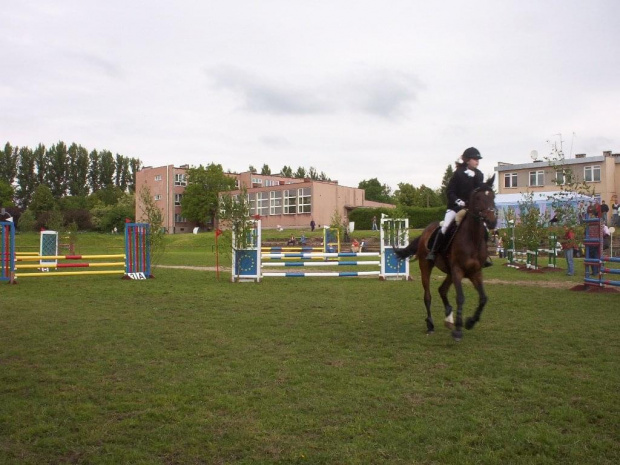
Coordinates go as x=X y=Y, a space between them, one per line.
x=484 y=215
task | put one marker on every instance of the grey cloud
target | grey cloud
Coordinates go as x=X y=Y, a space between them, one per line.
x=387 y=94
x=264 y=97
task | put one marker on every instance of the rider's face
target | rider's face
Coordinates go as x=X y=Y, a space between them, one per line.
x=472 y=163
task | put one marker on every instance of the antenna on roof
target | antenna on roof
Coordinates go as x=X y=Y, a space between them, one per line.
x=534 y=155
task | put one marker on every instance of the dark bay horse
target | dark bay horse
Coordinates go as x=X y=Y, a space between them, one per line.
x=463 y=256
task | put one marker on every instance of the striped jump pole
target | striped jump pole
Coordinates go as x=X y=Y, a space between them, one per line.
x=593 y=243
x=250 y=261
x=134 y=264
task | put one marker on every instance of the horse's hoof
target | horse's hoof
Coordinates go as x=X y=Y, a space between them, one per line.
x=430 y=332
x=448 y=324
x=469 y=323
x=457 y=335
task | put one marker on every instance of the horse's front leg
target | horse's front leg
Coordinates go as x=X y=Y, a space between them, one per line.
x=457 y=333
x=425 y=275
x=482 y=300
x=443 y=293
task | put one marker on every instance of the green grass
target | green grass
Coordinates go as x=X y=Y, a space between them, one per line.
x=186 y=369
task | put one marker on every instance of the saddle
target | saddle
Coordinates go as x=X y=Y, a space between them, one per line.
x=444 y=245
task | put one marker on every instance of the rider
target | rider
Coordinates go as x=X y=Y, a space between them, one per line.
x=465 y=179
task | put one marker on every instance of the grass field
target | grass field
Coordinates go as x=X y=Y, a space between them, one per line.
x=186 y=369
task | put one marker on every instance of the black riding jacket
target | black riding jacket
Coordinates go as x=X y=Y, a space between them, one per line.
x=461 y=186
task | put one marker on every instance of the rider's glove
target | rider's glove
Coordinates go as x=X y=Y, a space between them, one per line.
x=459 y=202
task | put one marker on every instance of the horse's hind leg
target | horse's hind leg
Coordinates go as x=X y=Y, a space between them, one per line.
x=482 y=300
x=443 y=293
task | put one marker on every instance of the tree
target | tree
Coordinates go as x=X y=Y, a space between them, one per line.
x=251 y=169
x=8 y=164
x=42 y=200
x=106 y=169
x=376 y=191
x=200 y=200
x=300 y=173
x=77 y=179
x=429 y=197
x=40 y=163
x=287 y=171
x=6 y=194
x=135 y=165
x=265 y=169
x=155 y=218
x=93 y=174
x=406 y=194
x=444 y=184
x=312 y=173
x=56 y=176
x=26 y=178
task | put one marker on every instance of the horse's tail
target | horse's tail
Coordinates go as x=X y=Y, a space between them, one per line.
x=408 y=251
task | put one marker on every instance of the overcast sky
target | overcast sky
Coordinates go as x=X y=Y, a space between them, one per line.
x=392 y=89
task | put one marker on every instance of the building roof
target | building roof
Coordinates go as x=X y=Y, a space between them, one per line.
x=541 y=164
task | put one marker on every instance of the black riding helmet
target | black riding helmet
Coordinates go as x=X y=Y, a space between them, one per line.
x=471 y=152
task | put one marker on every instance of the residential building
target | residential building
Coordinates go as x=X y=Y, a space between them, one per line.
x=280 y=201
x=543 y=179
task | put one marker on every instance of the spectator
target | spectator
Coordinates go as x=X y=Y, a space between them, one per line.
x=302 y=239
x=291 y=241
x=604 y=211
x=312 y=224
x=614 y=211
x=568 y=245
x=374 y=224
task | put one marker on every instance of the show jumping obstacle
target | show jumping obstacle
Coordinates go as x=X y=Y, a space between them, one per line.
x=135 y=264
x=529 y=258
x=249 y=263
x=594 y=260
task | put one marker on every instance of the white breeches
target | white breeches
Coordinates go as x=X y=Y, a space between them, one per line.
x=447 y=220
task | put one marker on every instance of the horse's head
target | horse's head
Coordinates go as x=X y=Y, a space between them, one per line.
x=482 y=204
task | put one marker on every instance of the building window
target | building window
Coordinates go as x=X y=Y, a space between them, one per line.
x=290 y=202
x=180 y=180
x=262 y=203
x=157 y=196
x=510 y=180
x=304 y=197
x=177 y=199
x=537 y=178
x=252 y=203
x=269 y=183
x=179 y=219
x=158 y=177
x=592 y=173
x=275 y=202
x=562 y=177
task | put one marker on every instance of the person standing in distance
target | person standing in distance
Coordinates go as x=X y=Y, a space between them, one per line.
x=466 y=178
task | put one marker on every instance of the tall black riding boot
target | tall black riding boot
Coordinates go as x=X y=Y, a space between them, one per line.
x=431 y=253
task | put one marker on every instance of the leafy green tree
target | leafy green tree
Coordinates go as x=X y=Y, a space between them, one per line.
x=323 y=177
x=94 y=169
x=155 y=218
x=251 y=169
x=56 y=176
x=40 y=163
x=300 y=173
x=287 y=171
x=429 y=197
x=8 y=163
x=42 y=200
x=26 y=178
x=444 y=184
x=122 y=172
x=26 y=221
x=312 y=173
x=6 y=194
x=265 y=169
x=134 y=165
x=406 y=194
x=106 y=169
x=376 y=191
x=78 y=170
x=200 y=200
